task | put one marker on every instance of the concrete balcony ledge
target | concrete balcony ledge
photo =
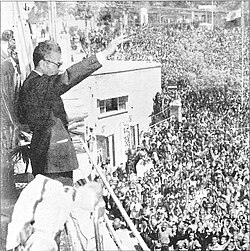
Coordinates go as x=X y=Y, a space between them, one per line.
x=112 y=113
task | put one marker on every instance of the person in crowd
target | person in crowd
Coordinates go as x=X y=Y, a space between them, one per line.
x=135 y=210
x=7 y=44
x=164 y=236
x=214 y=245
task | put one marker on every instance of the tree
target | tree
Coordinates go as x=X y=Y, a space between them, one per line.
x=39 y=12
x=105 y=16
x=83 y=10
x=177 y=4
x=65 y=8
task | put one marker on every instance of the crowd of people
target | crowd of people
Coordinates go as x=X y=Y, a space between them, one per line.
x=189 y=53
x=186 y=187
x=189 y=180
x=206 y=57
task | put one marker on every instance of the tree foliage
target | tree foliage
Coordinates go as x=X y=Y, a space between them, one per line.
x=39 y=12
x=83 y=10
x=105 y=15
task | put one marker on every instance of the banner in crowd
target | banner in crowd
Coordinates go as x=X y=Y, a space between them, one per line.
x=232 y=15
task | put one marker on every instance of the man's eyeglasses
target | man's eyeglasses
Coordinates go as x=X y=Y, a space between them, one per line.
x=57 y=64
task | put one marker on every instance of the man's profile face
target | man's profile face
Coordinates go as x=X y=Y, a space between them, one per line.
x=51 y=63
x=12 y=44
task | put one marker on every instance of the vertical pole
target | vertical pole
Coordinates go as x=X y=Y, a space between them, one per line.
x=122 y=21
x=52 y=21
x=242 y=52
x=97 y=232
x=212 y=15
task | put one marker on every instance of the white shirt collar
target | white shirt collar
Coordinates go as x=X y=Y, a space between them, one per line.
x=39 y=73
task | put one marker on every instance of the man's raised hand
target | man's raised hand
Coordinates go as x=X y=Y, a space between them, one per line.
x=112 y=46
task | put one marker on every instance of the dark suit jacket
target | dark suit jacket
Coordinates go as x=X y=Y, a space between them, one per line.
x=39 y=96
x=9 y=85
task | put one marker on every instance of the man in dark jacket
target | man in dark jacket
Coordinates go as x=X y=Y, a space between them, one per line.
x=40 y=96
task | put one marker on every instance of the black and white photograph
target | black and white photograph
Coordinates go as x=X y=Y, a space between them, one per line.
x=125 y=126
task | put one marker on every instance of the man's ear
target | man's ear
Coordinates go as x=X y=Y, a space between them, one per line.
x=41 y=63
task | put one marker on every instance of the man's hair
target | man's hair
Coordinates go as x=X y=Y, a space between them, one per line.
x=44 y=48
x=7 y=35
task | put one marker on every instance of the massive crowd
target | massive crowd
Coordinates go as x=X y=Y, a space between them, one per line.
x=187 y=186
x=191 y=177
x=209 y=56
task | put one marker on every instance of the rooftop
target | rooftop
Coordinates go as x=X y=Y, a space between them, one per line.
x=123 y=66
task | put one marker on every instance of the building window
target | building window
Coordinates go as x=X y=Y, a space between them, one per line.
x=122 y=103
x=113 y=104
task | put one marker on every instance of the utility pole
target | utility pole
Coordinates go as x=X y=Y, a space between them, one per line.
x=52 y=20
x=242 y=51
x=212 y=15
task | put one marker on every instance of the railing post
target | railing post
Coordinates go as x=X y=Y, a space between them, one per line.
x=97 y=232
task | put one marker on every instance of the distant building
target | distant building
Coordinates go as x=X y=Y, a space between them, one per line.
x=204 y=14
x=118 y=99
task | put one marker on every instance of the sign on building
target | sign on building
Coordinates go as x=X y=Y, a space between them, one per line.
x=144 y=16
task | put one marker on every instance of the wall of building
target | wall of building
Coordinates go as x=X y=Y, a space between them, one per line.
x=138 y=80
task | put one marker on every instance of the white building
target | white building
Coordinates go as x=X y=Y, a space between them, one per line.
x=118 y=99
